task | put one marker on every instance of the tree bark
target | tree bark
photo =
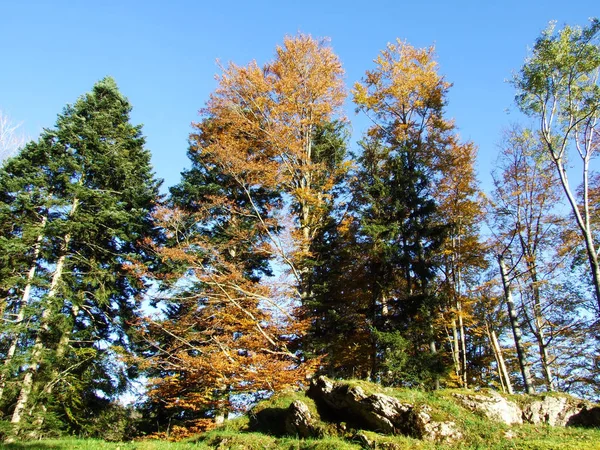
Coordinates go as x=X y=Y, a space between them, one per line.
x=583 y=222
x=456 y=351
x=516 y=328
x=433 y=349
x=463 y=346
x=504 y=377
x=539 y=331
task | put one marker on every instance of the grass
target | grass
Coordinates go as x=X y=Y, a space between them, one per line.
x=241 y=433
x=525 y=437
x=93 y=444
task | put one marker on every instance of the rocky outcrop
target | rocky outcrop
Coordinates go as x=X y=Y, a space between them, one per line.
x=493 y=406
x=561 y=411
x=555 y=411
x=378 y=412
x=346 y=409
x=299 y=422
x=546 y=409
x=296 y=420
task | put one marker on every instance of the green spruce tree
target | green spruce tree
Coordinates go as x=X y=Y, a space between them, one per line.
x=81 y=198
x=401 y=237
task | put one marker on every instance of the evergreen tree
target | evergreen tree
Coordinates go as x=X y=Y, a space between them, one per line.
x=81 y=198
x=335 y=308
x=401 y=238
x=405 y=156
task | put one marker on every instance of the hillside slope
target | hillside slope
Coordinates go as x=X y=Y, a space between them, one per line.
x=357 y=414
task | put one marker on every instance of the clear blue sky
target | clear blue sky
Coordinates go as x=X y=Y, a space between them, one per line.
x=163 y=55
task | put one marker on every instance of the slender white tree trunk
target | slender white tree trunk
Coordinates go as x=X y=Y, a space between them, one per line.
x=456 y=351
x=582 y=220
x=21 y=308
x=463 y=346
x=503 y=372
x=516 y=328
x=38 y=346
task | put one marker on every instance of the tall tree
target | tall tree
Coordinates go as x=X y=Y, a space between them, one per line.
x=559 y=85
x=87 y=221
x=266 y=163
x=280 y=107
x=402 y=158
x=463 y=254
x=537 y=242
x=515 y=324
x=525 y=196
x=217 y=339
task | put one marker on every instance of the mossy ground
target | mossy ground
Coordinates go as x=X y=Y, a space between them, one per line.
x=479 y=433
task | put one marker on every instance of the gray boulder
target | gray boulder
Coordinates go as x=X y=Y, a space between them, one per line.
x=493 y=406
x=379 y=412
x=299 y=422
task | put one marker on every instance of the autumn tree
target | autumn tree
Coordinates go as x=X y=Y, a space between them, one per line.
x=267 y=160
x=529 y=223
x=487 y=339
x=525 y=197
x=80 y=198
x=462 y=256
x=217 y=338
x=558 y=85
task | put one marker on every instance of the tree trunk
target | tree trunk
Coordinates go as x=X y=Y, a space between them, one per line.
x=504 y=377
x=39 y=344
x=456 y=351
x=538 y=317
x=61 y=351
x=20 y=308
x=583 y=222
x=516 y=328
x=539 y=332
x=433 y=349
x=459 y=333
x=463 y=346
x=38 y=347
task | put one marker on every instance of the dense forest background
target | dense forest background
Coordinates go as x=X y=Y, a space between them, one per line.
x=286 y=251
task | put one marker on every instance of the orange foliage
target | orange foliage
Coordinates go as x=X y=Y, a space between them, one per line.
x=278 y=108
x=229 y=334
x=406 y=91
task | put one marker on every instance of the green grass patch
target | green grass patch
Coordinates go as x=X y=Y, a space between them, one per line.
x=242 y=433
x=93 y=444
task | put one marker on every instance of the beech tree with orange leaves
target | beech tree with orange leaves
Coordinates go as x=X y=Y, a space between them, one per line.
x=280 y=107
x=259 y=192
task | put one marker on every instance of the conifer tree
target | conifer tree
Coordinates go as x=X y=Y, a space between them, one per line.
x=81 y=198
x=405 y=156
x=339 y=317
